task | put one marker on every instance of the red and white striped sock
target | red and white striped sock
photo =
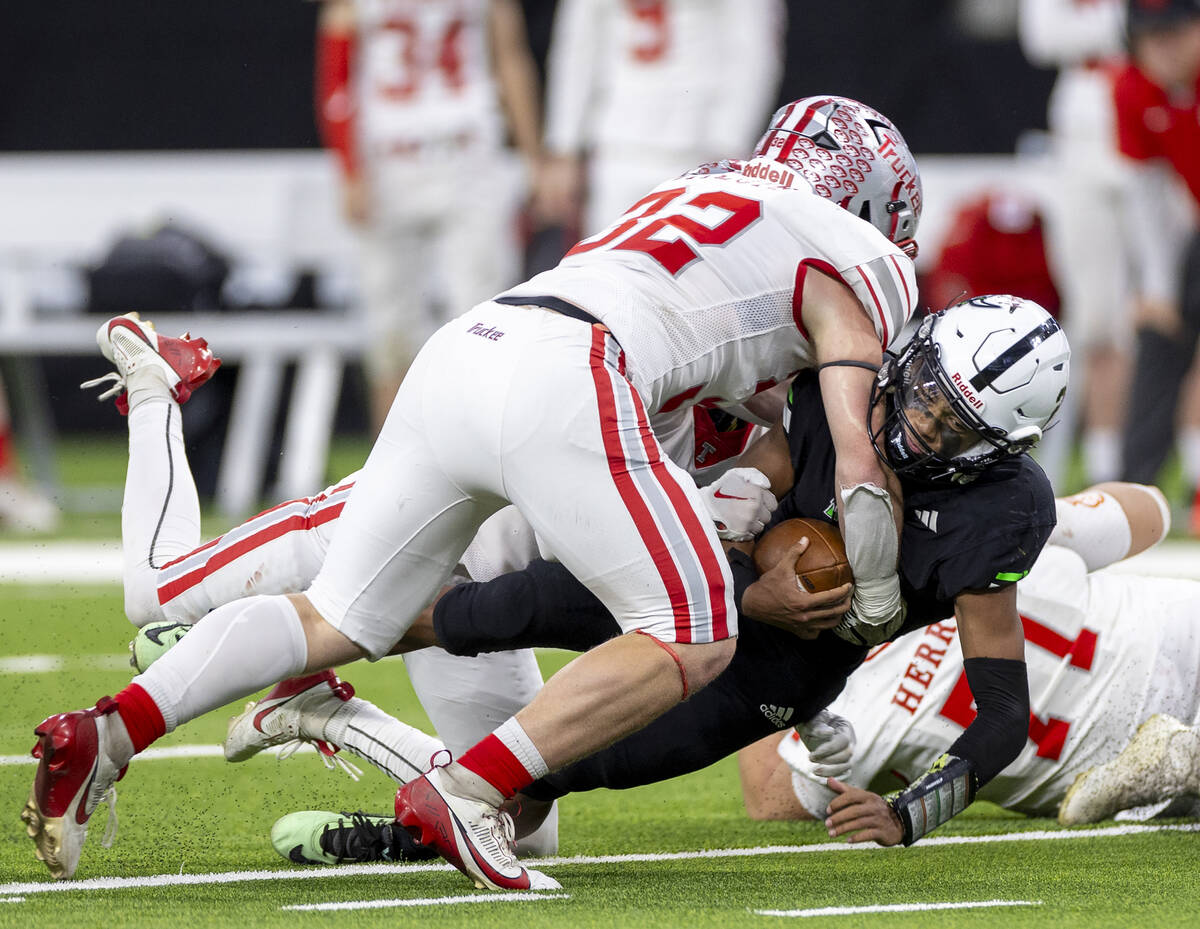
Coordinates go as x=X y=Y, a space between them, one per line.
x=507 y=760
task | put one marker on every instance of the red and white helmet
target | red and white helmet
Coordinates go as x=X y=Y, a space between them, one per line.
x=852 y=155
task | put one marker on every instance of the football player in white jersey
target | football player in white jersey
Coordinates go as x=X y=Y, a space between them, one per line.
x=1114 y=676
x=415 y=98
x=1088 y=242
x=711 y=289
x=641 y=88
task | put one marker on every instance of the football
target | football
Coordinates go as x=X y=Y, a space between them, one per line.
x=823 y=565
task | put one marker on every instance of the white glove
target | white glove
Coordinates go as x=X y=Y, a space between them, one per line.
x=740 y=502
x=829 y=739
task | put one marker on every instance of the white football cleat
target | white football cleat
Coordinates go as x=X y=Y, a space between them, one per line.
x=74 y=775
x=1161 y=761
x=131 y=344
x=472 y=835
x=295 y=710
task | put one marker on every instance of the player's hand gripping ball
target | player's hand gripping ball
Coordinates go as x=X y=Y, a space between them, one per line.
x=822 y=566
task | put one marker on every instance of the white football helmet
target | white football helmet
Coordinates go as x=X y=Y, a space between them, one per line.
x=854 y=156
x=980 y=381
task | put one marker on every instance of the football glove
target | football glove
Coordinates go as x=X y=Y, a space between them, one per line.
x=829 y=739
x=740 y=503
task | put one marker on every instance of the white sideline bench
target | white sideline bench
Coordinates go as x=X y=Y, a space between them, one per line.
x=274 y=210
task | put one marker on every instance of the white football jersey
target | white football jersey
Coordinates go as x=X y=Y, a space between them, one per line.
x=663 y=75
x=424 y=82
x=697 y=281
x=1105 y=651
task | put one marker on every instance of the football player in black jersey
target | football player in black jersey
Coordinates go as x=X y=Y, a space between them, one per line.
x=953 y=415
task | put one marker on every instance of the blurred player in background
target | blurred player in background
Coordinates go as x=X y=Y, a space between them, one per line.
x=1088 y=228
x=416 y=97
x=711 y=289
x=640 y=90
x=1158 y=99
x=1114 y=673
x=23 y=508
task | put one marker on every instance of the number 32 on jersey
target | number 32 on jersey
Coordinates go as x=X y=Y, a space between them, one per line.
x=670 y=228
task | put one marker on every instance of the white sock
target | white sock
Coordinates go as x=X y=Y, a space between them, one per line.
x=399 y=750
x=517 y=741
x=146 y=384
x=1189 y=455
x=160 y=515
x=240 y=647
x=1102 y=455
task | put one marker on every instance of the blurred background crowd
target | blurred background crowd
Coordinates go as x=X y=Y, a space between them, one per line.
x=318 y=185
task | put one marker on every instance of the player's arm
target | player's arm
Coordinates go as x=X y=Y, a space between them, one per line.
x=870 y=503
x=767 y=782
x=777 y=597
x=516 y=78
x=993 y=649
x=335 y=102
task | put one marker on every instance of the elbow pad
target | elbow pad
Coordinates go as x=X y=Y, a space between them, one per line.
x=997 y=734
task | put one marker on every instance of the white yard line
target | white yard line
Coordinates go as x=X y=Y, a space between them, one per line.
x=155 y=754
x=52 y=664
x=358 y=870
x=895 y=908
x=59 y=562
x=427 y=901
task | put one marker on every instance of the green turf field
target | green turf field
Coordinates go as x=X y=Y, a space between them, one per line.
x=192 y=848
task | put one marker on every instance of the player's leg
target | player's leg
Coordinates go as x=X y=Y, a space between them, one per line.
x=160 y=513
x=1163 y=360
x=1111 y=521
x=681 y=598
x=278 y=551
x=403 y=501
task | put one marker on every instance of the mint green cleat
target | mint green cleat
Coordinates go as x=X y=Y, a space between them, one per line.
x=153 y=641
x=319 y=837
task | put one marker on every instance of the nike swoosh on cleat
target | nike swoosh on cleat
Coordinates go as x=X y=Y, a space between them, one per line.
x=87 y=789
x=261 y=714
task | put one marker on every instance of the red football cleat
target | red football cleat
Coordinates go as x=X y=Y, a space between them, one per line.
x=74 y=775
x=131 y=344
x=474 y=837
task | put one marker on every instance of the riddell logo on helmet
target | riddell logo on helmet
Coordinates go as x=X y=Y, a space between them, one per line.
x=965 y=390
x=775 y=175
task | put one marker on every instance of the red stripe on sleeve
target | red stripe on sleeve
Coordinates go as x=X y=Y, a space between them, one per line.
x=334 y=98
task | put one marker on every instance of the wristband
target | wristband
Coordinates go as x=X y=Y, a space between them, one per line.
x=941 y=793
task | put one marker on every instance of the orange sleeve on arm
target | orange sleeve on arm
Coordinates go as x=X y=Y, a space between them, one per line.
x=334 y=101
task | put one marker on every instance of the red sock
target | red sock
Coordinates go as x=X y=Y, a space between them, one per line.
x=492 y=760
x=141 y=716
x=7 y=465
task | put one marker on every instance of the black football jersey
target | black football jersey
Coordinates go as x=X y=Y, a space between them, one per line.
x=957 y=538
